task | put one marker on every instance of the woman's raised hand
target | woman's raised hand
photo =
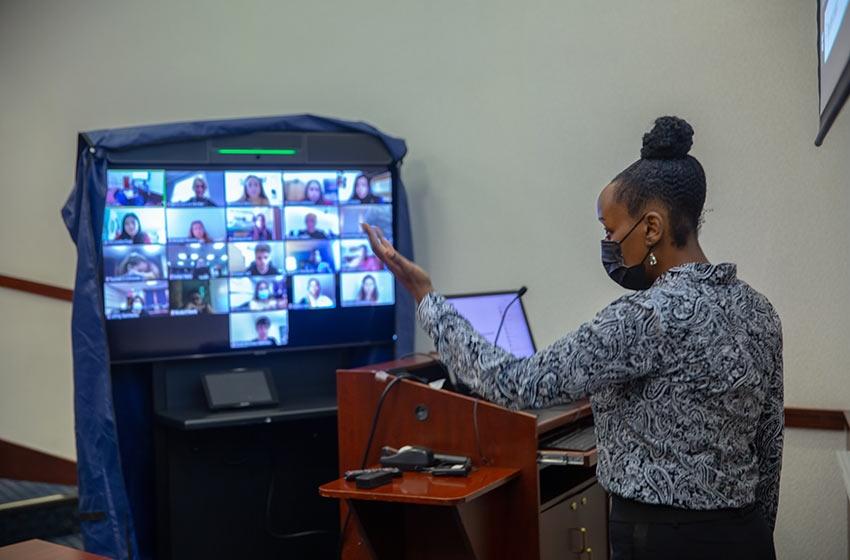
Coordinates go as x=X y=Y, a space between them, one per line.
x=411 y=275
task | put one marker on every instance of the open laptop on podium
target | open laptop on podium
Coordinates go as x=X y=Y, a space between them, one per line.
x=485 y=312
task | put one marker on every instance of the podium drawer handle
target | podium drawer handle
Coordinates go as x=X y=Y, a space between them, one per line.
x=583 y=546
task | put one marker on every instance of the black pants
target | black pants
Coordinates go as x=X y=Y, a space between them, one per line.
x=640 y=531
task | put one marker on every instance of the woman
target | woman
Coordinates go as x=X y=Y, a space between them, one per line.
x=316 y=263
x=136 y=304
x=315 y=297
x=131 y=230
x=137 y=267
x=363 y=261
x=263 y=298
x=196 y=303
x=363 y=191
x=259 y=232
x=197 y=232
x=314 y=194
x=368 y=292
x=199 y=187
x=253 y=193
x=684 y=375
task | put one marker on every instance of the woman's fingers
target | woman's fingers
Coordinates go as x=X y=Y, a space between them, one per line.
x=412 y=276
x=384 y=250
x=380 y=246
x=374 y=241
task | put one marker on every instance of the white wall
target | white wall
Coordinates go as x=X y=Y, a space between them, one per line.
x=36 y=385
x=812 y=521
x=516 y=114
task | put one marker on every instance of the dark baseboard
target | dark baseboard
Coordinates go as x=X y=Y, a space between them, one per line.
x=816 y=419
x=23 y=463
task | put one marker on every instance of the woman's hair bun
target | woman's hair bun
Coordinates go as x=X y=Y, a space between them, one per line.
x=670 y=138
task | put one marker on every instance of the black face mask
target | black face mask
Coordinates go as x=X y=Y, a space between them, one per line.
x=629 y=277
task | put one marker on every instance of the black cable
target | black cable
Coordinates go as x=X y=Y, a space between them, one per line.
x=375 y=417
x=519 y=294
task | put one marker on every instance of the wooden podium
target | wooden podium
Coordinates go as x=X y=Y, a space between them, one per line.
x=509 y=506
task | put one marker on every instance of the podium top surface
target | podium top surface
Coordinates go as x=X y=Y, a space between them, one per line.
x=425 y=489
x=547 y=418
x=40 y=550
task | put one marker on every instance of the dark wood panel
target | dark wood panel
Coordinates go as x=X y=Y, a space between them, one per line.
x=23 y=463
x=505 y=439
x=36 y=288
x=815 y=418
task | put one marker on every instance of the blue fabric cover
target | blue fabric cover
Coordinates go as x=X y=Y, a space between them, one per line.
x=106 y=506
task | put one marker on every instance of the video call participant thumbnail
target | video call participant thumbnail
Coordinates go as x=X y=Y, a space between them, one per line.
x=198 y=261
x=198 y=297
x=134 y=187
x=357 y=256
x=261 y=293
x=132 y=300
x=194 y=188
x=255 y=259
x=137 y=226
x=311 y=188
x=376 y=215
x=201 y=225
x=133 y=262
x=363 y=192
x=313 y=291
x=312 y=256
x=263 y=328
x=367 y=288
x=253 y=224
x=253 y=188
x=311 y=223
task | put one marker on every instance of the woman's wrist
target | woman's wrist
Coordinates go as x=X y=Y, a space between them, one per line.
x=422 y=292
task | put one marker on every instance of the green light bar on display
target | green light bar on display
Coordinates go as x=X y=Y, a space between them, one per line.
x=257 y=151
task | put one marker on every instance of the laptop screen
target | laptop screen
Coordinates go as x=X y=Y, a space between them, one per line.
x=484 y=311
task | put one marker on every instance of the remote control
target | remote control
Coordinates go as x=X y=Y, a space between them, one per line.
x=373 y=479
x=351 y=475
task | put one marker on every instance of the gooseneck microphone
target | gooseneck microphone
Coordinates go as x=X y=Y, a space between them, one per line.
x=519 y=294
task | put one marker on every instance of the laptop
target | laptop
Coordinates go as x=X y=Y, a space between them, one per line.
x=485 y=311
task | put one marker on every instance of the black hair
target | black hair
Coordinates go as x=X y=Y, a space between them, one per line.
x=263 y=320
x=321 y=190
x=368 y=185
x=257 y=288
x=666 y=173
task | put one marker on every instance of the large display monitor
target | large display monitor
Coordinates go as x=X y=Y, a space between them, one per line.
x=833 y=61
x=220 y=259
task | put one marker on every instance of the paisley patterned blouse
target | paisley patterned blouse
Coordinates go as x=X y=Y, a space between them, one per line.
x=684 y=378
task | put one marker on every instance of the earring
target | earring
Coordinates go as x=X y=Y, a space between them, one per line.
x=652 y=260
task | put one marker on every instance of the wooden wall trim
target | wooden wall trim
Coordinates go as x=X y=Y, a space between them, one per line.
x=816 y=418
x=36 y=288
x=23 y=463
